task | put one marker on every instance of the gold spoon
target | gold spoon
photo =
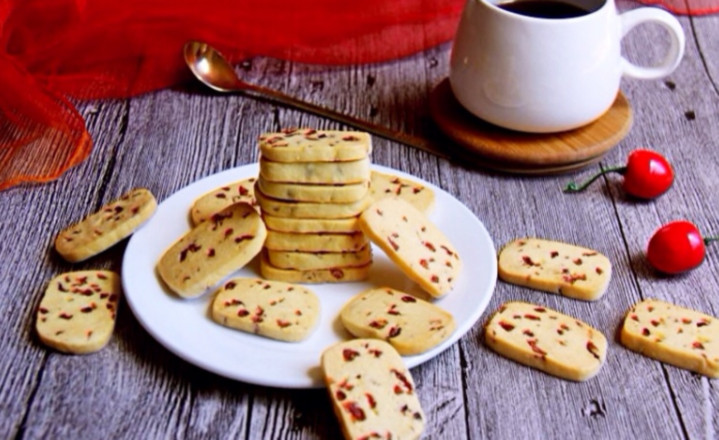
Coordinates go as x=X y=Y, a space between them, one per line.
x=213 y=70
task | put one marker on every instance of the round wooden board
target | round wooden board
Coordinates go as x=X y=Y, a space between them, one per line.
x=529 y=153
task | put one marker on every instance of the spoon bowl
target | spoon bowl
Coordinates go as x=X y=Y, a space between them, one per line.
x=212 y=69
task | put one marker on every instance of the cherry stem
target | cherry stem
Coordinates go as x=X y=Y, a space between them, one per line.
x=708 y=240
x=572 y=187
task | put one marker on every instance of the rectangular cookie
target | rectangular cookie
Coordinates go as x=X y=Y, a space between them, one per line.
x=547 y=340
x=389 y=185
x=317 y=193
x=373 y=394
x=212 y=250
x=220 y=198
x=78 y=311
x=103 y=229
x=319 y=260
x=273 y=309
x=287 y=241
x=310 y=145
x=414 y=243
x=676 y=335
x=555 y=267
x=283 y=208
x=347 y=225
x=329 y=275
x=356 y=171
x=411 y=325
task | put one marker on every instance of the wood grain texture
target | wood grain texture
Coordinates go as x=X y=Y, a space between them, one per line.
x=166 y=140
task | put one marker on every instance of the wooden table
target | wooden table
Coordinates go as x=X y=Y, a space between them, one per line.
x=135 y=388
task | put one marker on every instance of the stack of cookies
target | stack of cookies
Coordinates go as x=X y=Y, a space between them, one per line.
x=312 y=187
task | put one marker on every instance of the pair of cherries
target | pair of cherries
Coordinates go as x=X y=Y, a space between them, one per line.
x=675 y=247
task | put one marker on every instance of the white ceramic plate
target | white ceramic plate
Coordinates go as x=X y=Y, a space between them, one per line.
x=184 y=327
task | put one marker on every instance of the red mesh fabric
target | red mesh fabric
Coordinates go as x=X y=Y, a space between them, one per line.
x=53 y=49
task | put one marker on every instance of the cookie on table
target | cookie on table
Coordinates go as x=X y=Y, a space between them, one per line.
x=273 y=309
x=220 y=198
x=106 y=227
x=287 y=241
x=676 y=335
x=414 y=243
x=390 y=185
x=318 y=193
x=555 y=267
x=356 y=171
x=348 y=225
x=78 y=311
x=547 y=340
x=310 y=145
x=212 y=250
x=411 y=325
x=372 y=392
x=319 y=260
x=328 y=275
x=290 y=209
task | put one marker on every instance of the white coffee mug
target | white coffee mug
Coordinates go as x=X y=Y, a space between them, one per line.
x=546 y=75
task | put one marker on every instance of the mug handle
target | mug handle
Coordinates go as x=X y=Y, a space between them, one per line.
x=635 y=17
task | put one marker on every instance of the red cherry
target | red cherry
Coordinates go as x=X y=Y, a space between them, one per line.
x=677 y=247
x=647 y=175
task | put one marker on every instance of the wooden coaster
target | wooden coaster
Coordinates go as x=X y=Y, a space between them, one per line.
x=529 y=153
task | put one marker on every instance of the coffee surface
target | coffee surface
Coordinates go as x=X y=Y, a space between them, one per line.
x=544 y=9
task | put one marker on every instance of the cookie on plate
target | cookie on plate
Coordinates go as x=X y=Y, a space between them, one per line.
x=547 y=340
x=414 y=243
x=328 y=275
x=106 y=227
x=372 y=391
x=676 y=335
x=220 y=198
x=287 y=241
x=306 y=210
x=273 y=309
x=411 y=325
x=78 y=311
x=319 y=260
x=556 y=267
x=310 y=145
x=390 y=185
x=212 y=250
x=348 y=225
x=356 y=171
x=317 y=193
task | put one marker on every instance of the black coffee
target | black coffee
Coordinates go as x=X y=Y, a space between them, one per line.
x=544 y=8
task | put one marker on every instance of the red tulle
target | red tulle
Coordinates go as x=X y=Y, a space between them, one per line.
x=54 y=49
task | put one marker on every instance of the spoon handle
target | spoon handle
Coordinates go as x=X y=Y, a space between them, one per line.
x=381 y=131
